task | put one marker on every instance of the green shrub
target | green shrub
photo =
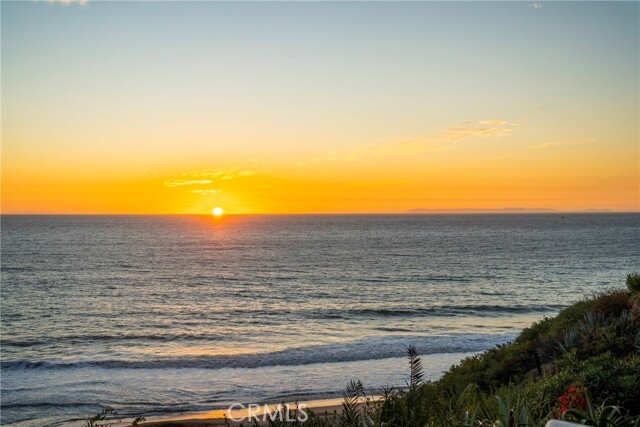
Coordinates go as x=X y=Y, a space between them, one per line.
x=633 y=282
x=612 y=380
x=612 y=303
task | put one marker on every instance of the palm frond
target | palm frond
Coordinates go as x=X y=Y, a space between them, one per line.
x=350 y=416
x=417 y=372
x=105 y=415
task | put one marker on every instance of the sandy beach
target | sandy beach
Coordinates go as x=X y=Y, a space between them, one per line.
x=217 y=417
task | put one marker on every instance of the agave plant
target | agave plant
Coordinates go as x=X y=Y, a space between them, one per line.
x=512 y=409
x=603 y=416
x=593 y=320
x=571 y=340
x=624 y=319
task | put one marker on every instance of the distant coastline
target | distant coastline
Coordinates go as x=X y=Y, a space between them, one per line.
x=503 y=210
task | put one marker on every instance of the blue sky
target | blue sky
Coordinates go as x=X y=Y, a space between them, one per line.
x=229 y=81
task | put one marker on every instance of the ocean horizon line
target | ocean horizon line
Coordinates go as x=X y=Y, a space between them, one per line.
x=460 y=212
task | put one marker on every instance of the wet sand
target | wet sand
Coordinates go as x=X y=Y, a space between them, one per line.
x=327 y=407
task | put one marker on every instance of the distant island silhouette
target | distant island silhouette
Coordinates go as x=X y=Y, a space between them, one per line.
x=499 y=210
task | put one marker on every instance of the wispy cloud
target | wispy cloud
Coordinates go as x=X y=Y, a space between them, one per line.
x=535 y=5
x=207 y=192
x=182 y=182
x=550 y=144
x=446 y=140
x=493 y=122
x=220 y=173
x=203 y=178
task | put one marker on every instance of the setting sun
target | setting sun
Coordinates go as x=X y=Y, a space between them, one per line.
x=301 y=130
x=206 y=196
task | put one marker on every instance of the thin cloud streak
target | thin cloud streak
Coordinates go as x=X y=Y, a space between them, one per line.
x=443 y=141
x=220 y=173
x=207 y=192
x=183 y=182
x=562 y=143
x=195 y=179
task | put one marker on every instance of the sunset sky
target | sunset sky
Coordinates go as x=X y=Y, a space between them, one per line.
x=178 y=107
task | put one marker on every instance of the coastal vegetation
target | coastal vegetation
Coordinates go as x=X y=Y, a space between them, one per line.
x=582 y=365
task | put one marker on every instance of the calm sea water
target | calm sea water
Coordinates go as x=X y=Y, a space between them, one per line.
x=157 y=314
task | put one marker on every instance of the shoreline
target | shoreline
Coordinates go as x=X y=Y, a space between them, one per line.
x=216 y=417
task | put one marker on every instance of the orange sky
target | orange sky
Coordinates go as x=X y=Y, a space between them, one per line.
x=274 y=115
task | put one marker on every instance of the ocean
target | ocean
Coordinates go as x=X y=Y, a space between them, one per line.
x=175 y=314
